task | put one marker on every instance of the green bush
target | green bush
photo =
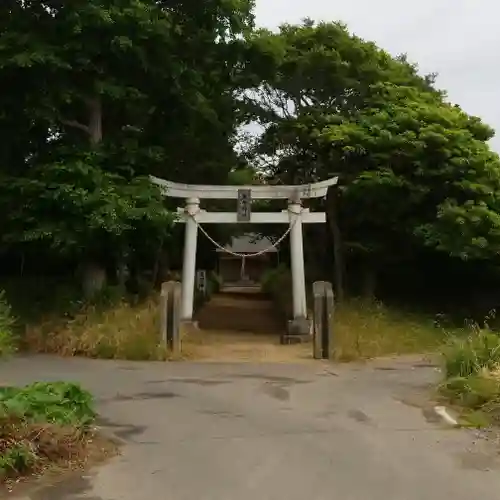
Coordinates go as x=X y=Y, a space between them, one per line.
x=41 y=424
x=473 y=392
x=464 y=357
x=55 y=403
x=215 y=282
x=7 y=340
x=472 y=376
x=277 y=282
x=271 y=278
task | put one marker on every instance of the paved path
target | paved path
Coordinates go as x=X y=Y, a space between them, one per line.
x=215 y=431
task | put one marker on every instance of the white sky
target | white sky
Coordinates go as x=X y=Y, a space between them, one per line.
x=458 y=39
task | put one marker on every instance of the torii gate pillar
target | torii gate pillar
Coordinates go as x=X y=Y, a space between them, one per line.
x=189 y=263
x=297 y=260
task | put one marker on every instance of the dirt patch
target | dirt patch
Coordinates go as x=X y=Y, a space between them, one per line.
x=93 y=450
x=223 y=346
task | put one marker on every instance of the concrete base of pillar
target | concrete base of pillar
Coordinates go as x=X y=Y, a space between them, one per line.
x=299 y=330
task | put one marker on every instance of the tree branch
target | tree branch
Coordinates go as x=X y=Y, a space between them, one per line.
x=75 y=124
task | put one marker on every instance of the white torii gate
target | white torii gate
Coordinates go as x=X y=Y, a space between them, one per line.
x=295 y=216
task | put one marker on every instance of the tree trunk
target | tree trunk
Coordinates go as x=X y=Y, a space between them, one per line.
x=160 y=265
x=94 y=279
x=338 y=256
x=369 y=284
x=94 y=127
x=122 y=274
x=95 y=276
x=95 y=120
x=133 y=281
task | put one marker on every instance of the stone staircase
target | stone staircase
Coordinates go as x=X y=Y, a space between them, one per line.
x=243 y=309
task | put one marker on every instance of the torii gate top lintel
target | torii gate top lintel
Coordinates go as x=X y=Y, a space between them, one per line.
x=259 y=192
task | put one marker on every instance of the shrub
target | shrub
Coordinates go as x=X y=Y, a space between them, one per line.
x=470 y=356
x=473 y=392
x=277 y=282
x=215 y=282
x=61 y=403
x=43 y=423
x=472 y=375
x=7 y=341
x=271 y=278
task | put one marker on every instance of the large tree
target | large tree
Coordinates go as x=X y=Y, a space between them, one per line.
x=97 y=94
x=414 y=170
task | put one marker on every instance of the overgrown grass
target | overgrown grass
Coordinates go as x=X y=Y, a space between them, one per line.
x=365 y=328
x=7 y=322
x=42 y=425
x=368 y=329
x=472 y=376
x=119 y=331
x=61 y=322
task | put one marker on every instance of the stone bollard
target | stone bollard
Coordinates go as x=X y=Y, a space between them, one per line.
x=164 y=312
x=175 y=337
x=170 y=302
x=324 y=306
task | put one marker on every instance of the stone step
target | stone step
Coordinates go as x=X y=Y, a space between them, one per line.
x=234 y=312
x=251 y=315
x=228 y=324
x=241 y=294
x=229 y=302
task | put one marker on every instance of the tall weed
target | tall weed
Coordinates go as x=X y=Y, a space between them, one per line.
x=472 y=374
x=122 y=331
x=478 y=352
x=7 y=340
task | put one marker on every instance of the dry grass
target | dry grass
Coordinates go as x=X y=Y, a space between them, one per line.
x=362 y=330
x=47 y=427
x=123 y=331
x=366 y=329
x=242 y=347
x=54 y=449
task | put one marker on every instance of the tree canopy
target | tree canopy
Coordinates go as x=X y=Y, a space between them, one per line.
x=100 y=94
x=415 y=171
x=97 y=96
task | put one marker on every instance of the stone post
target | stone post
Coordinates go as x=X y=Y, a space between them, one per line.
x=175 y=337
x=329 y=350
x=164 y=316
x=170 y=309
x=189 y=263
x=318 y=319
x=324 y=307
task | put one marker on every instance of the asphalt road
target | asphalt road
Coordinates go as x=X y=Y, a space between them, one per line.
x=313 y=431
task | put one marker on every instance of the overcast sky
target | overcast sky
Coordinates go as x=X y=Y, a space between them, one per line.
x=458 y=39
